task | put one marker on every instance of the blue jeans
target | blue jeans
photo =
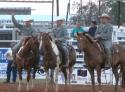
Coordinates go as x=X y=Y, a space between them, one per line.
x=9 y=70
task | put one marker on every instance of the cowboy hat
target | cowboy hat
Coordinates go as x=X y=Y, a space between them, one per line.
x=59 y=19
x=28 y=19
x=105 y=16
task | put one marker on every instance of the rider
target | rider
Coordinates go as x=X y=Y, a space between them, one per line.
x=60 y=33
x=104 y=36
x=27 y=31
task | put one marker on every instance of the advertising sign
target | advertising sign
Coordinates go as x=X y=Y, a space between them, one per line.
x=3 y=62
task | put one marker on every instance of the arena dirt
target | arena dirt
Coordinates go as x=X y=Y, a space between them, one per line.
x=41 y=87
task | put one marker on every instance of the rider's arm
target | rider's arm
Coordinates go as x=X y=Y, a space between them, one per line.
x=16 y=24
x=65 y=33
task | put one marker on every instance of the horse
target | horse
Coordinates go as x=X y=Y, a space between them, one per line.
x=118 y=60
x=94 y=57
x=51 y=59
x=25 y=59
x=71 y=59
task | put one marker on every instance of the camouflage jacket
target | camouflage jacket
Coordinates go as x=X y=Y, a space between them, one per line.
x=60 y=33
x=105 y=31
x=26 y=31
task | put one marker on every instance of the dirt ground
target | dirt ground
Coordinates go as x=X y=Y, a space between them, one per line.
x=41 y=87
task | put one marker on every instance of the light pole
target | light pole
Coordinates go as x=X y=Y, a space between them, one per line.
x=99 y=7
x=119 y=12
x=57 y=2
x=81 y=6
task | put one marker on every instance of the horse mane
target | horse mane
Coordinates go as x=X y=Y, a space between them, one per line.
x=89 y=37
x=49 y=54
x=46 y=40
x=26 y=40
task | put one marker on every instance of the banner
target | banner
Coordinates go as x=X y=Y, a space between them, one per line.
x=3 y=62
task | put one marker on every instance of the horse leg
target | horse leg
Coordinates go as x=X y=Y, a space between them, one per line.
x=98 y=69
x=64 y=70
x=123 y=76
x=91 y=71
x=20 y=78
x=47 y=79
x=33 y=78
x=28 y=77
x=56 y=77
x=70 y=74
x=52 y=76
x=115 y=71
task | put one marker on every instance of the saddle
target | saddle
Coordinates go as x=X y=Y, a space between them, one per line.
x=103 y=51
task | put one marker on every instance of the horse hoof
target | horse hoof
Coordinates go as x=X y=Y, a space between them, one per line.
x=100 y=90
x=32 y=87
x=46 y=90
x=27 y=89
x=19 y=89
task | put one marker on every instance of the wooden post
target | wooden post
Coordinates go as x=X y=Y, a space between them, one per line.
x=119 y=12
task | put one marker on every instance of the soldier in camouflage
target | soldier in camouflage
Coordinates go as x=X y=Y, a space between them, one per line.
x=60 y=33
x=104 y=36
x=27 y=31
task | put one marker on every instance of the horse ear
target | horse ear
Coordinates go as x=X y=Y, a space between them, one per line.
x=78 y=34
x=85 y=33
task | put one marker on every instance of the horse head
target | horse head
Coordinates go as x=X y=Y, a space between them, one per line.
x=45 y=40
x=35 y=42
x=84 y=40
x=29 y=43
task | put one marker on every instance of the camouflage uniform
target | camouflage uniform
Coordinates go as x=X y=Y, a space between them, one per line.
x=60 y=32
x=105 y=32
x=26 y=32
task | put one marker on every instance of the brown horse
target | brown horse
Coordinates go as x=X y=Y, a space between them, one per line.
x=94 y=58
x=71 y=59
x=51 y=59
x=118 y=60
x=48 y=46
x=25 y=59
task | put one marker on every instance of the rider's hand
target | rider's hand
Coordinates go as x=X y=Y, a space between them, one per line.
x=97 y=36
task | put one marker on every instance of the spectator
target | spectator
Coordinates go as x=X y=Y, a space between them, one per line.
x=10 y=69
x=123 y=23
x=78 y=28
x=92 y=28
